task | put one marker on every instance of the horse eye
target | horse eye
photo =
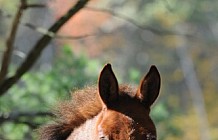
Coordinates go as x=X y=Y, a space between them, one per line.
x=104 y=138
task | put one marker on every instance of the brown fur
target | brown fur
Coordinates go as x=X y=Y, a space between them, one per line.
x=84 y=105
x=122 y=111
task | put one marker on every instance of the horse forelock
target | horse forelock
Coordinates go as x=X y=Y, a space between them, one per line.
x=85 y=104
x=127 y=90
x=70 y=114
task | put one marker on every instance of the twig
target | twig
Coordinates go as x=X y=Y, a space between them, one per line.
x=24 y=7
x=35 y=6
x=123 y=17
x=10 y=42
x=135 y=23
x=39 y=47
x=53 y=35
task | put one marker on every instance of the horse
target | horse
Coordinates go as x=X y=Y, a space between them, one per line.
x=107 y=111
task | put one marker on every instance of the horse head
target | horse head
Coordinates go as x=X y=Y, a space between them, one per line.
x=125 y=112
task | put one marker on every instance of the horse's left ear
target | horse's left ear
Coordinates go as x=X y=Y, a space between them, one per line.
x=149 y=87
x=108 y=85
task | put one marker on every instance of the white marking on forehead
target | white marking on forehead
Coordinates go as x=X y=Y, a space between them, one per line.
x=101 y=134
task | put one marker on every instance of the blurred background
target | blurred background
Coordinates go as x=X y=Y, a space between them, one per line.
x=179 y=37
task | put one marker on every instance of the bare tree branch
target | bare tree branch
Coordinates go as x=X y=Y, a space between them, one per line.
x=10 y=41
x=39 y=47
x=24 y=7
x=135 y=23
x=53 y=35
x=35 y=6
x=123 y=17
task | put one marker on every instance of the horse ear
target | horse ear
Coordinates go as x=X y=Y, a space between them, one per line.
x=108 y=85
x=149 y=88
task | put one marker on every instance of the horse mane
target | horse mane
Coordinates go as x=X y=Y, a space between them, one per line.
x=84 y=105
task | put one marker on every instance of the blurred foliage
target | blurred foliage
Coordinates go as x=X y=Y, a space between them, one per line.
x=38 y=91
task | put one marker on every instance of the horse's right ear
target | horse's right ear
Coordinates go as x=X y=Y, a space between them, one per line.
x=108 y=85
x=149 y=87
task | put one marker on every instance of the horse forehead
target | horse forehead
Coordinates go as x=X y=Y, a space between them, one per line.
x=120 y=126
x=115 y=116
x=130 y=106
x=114 y=123
x=114 y=119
